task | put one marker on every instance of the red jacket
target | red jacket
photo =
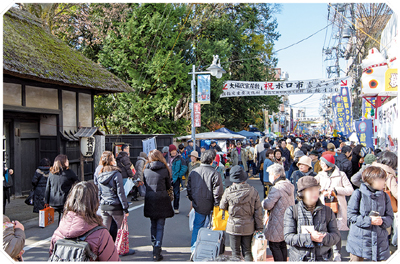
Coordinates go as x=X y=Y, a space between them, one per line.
x=100 y=241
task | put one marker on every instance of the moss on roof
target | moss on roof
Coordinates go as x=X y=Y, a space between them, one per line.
x=31 y=51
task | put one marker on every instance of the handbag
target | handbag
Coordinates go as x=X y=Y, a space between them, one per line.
x=29 y=200
x=142 y=190
x=46 y=216
x=122 y=240
x=393 y=200
x=219 y=219
x=259 y=247
x=170 y=192
x=332 y=202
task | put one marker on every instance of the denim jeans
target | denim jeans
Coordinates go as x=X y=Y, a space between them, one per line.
x=157 y=231
x=200 y=221
x=177 y=192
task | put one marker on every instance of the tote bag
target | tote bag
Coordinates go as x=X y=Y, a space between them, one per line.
x=122 y=241
x=219 y=219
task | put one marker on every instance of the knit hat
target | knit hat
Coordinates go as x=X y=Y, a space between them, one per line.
x=165 y=149
x=143 y=155
x=306 y=182
x=305 y=160
x=171 y=147
x=194 y=153
x=331 y=146
x=329 y=160
x=365 y=151
x=237 y=174
x=298 y=154
x=369 y=158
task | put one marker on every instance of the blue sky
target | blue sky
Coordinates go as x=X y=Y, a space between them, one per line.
x=304 y=60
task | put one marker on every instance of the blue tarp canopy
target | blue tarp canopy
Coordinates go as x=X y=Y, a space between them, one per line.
x=225 y=130
x=248 y=134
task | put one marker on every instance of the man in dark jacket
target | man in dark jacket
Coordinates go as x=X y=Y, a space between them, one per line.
x=260 y=160
x=286 y=154
x=188 y=150
x=343 y=161
x=124 y=163
x=204 y=190
x=215 y=146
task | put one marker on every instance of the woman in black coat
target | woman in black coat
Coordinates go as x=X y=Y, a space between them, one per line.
x=355 y=159
x=60 y=182
x=157 y=202
x=39 y=182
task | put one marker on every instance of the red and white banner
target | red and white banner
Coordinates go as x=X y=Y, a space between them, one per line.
x=197 y=114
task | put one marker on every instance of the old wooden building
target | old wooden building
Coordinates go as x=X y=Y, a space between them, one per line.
x=48 y=92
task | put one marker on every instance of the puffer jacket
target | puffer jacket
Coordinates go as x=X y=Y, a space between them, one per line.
x=157 y=203
x=344 y=164
x=302 y=247
x=139 y=166
x=39 y=182
x=204 y=188
x=124 y=163
x=279 y=198
x=296 y=175
x=111 y=191
x=101 y=243
x=13 y=239
x=244 y=208
x=341 y=184
x=366 y=240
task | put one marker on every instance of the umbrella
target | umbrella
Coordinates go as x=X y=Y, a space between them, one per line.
x=213 y=135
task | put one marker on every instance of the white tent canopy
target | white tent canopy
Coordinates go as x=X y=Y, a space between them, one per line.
x=213 y=135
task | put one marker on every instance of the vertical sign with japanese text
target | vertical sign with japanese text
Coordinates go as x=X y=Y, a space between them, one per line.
x=367 y=107
x=364 y=132
x=197 y=114
x=203 y=92
x=342 y=109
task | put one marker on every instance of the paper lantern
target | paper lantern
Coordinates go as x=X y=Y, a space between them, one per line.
x=87 y=146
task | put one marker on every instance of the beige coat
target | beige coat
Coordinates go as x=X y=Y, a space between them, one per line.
x=343 y=187
x=244 y=207
x=13 y=239
x=279 y=198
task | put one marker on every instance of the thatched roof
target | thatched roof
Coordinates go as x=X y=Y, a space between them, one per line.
x=30 y=51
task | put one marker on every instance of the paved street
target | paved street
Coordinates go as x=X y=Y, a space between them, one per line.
x=176 y=243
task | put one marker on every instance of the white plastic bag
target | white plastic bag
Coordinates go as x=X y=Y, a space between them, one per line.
x=191 y=219
x=259 y=247
x=128 y=186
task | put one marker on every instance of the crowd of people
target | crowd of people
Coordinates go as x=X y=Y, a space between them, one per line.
x=315 y=188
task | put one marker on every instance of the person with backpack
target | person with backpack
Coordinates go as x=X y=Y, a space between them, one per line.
x=280 y=197
x=39 y=183
x=80 y=222
x=178 y=167
x=369 y=213
x=310 y=227
x=59 y=183
x=242 y=202
x=157 y=203
x=335 y=183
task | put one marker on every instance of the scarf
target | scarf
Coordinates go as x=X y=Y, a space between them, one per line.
x=310 y=207
x=238 y=150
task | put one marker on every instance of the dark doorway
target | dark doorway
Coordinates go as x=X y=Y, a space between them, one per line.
x=29 y=159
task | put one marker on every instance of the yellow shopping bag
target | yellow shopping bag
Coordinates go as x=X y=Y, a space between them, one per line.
x=219 y=219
